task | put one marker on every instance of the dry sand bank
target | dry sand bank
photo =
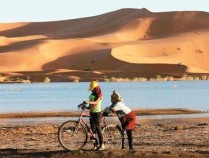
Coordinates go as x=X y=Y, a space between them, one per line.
x=138 y=112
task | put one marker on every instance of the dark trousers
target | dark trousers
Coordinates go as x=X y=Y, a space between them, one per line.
x=130 y=139
x=95 y=122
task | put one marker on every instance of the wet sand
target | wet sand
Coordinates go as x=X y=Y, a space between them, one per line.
x=141 y=112
x=188 y=137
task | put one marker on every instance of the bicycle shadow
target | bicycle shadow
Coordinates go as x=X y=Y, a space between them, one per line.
x=8 y=152
x=22 y=153
x=26 y=153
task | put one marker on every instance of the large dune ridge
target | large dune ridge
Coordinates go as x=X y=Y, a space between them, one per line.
x=126 y=43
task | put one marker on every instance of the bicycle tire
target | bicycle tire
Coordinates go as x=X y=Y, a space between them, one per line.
x=71 y=136
x=112 y=137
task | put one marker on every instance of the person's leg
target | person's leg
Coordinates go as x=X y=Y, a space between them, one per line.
x=123 y=139
x=130 y=139
x=98 y=127
x=92 y=122
x=99 y=130
x=93 y=128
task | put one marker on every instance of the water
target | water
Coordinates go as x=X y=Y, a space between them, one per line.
x=41 y=97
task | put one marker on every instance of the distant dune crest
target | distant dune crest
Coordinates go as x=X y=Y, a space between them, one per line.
x=128 y=42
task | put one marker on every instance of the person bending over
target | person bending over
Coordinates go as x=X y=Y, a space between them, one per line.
x=126 y=116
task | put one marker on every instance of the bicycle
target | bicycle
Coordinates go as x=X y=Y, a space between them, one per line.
x=74 y=135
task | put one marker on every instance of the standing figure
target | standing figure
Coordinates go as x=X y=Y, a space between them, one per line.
x=95 y=100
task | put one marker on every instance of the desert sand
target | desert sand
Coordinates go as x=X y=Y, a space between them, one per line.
x=155 y=138
x=126 y=43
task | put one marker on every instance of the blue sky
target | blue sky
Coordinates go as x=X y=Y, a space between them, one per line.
x=53 y=10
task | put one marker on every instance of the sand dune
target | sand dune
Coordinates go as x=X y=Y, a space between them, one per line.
x=124 y=43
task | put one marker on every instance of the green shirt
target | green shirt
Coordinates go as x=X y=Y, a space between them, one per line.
x=98 y=107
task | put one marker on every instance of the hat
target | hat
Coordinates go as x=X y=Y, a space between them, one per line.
x=92 y=85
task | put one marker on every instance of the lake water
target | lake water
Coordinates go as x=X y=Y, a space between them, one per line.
x=43 y=97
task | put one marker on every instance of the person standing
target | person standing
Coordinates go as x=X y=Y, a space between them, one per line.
x=95 y=101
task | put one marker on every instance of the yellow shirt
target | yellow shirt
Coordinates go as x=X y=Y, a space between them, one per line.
x=98 y=107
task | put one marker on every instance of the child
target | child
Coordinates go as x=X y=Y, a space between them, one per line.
x=95 y=100
x=125 y=115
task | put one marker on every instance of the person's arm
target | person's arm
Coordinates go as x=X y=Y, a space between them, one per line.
x=94 y=103
x=112 y=110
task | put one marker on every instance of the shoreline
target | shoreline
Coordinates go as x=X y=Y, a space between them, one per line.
x=139 y=112
x=136 y=79
x=88 y=76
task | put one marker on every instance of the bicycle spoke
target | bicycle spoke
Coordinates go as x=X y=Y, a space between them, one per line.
x=71 y=136
x=112 y=137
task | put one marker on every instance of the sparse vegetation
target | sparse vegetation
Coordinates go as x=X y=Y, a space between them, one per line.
x=156 y=78
x=152 y=79
x=198 y=51
x=189 y=78
x=196 y=78
x=114 y=79
x=141 y=79
x=204 y=77
x=26 y=81
x=23 y=79
x=27 y=78
x=180 y=63
x=76 y=80
x=47 y=80
x=170 y=78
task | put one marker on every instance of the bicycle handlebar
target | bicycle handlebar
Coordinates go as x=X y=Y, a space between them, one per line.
x=105 y=113
x=82 y=106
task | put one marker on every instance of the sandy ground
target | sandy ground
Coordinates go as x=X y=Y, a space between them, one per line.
x=152 y=138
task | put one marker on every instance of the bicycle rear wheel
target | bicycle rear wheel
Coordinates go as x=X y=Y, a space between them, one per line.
x=112 y=137
x=72 y=136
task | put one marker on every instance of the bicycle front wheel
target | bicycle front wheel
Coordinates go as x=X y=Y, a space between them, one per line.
x=72 y=136
x=112 y=137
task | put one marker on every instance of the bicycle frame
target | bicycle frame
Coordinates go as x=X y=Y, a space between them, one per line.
x=66 y=138
x=84 y=122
